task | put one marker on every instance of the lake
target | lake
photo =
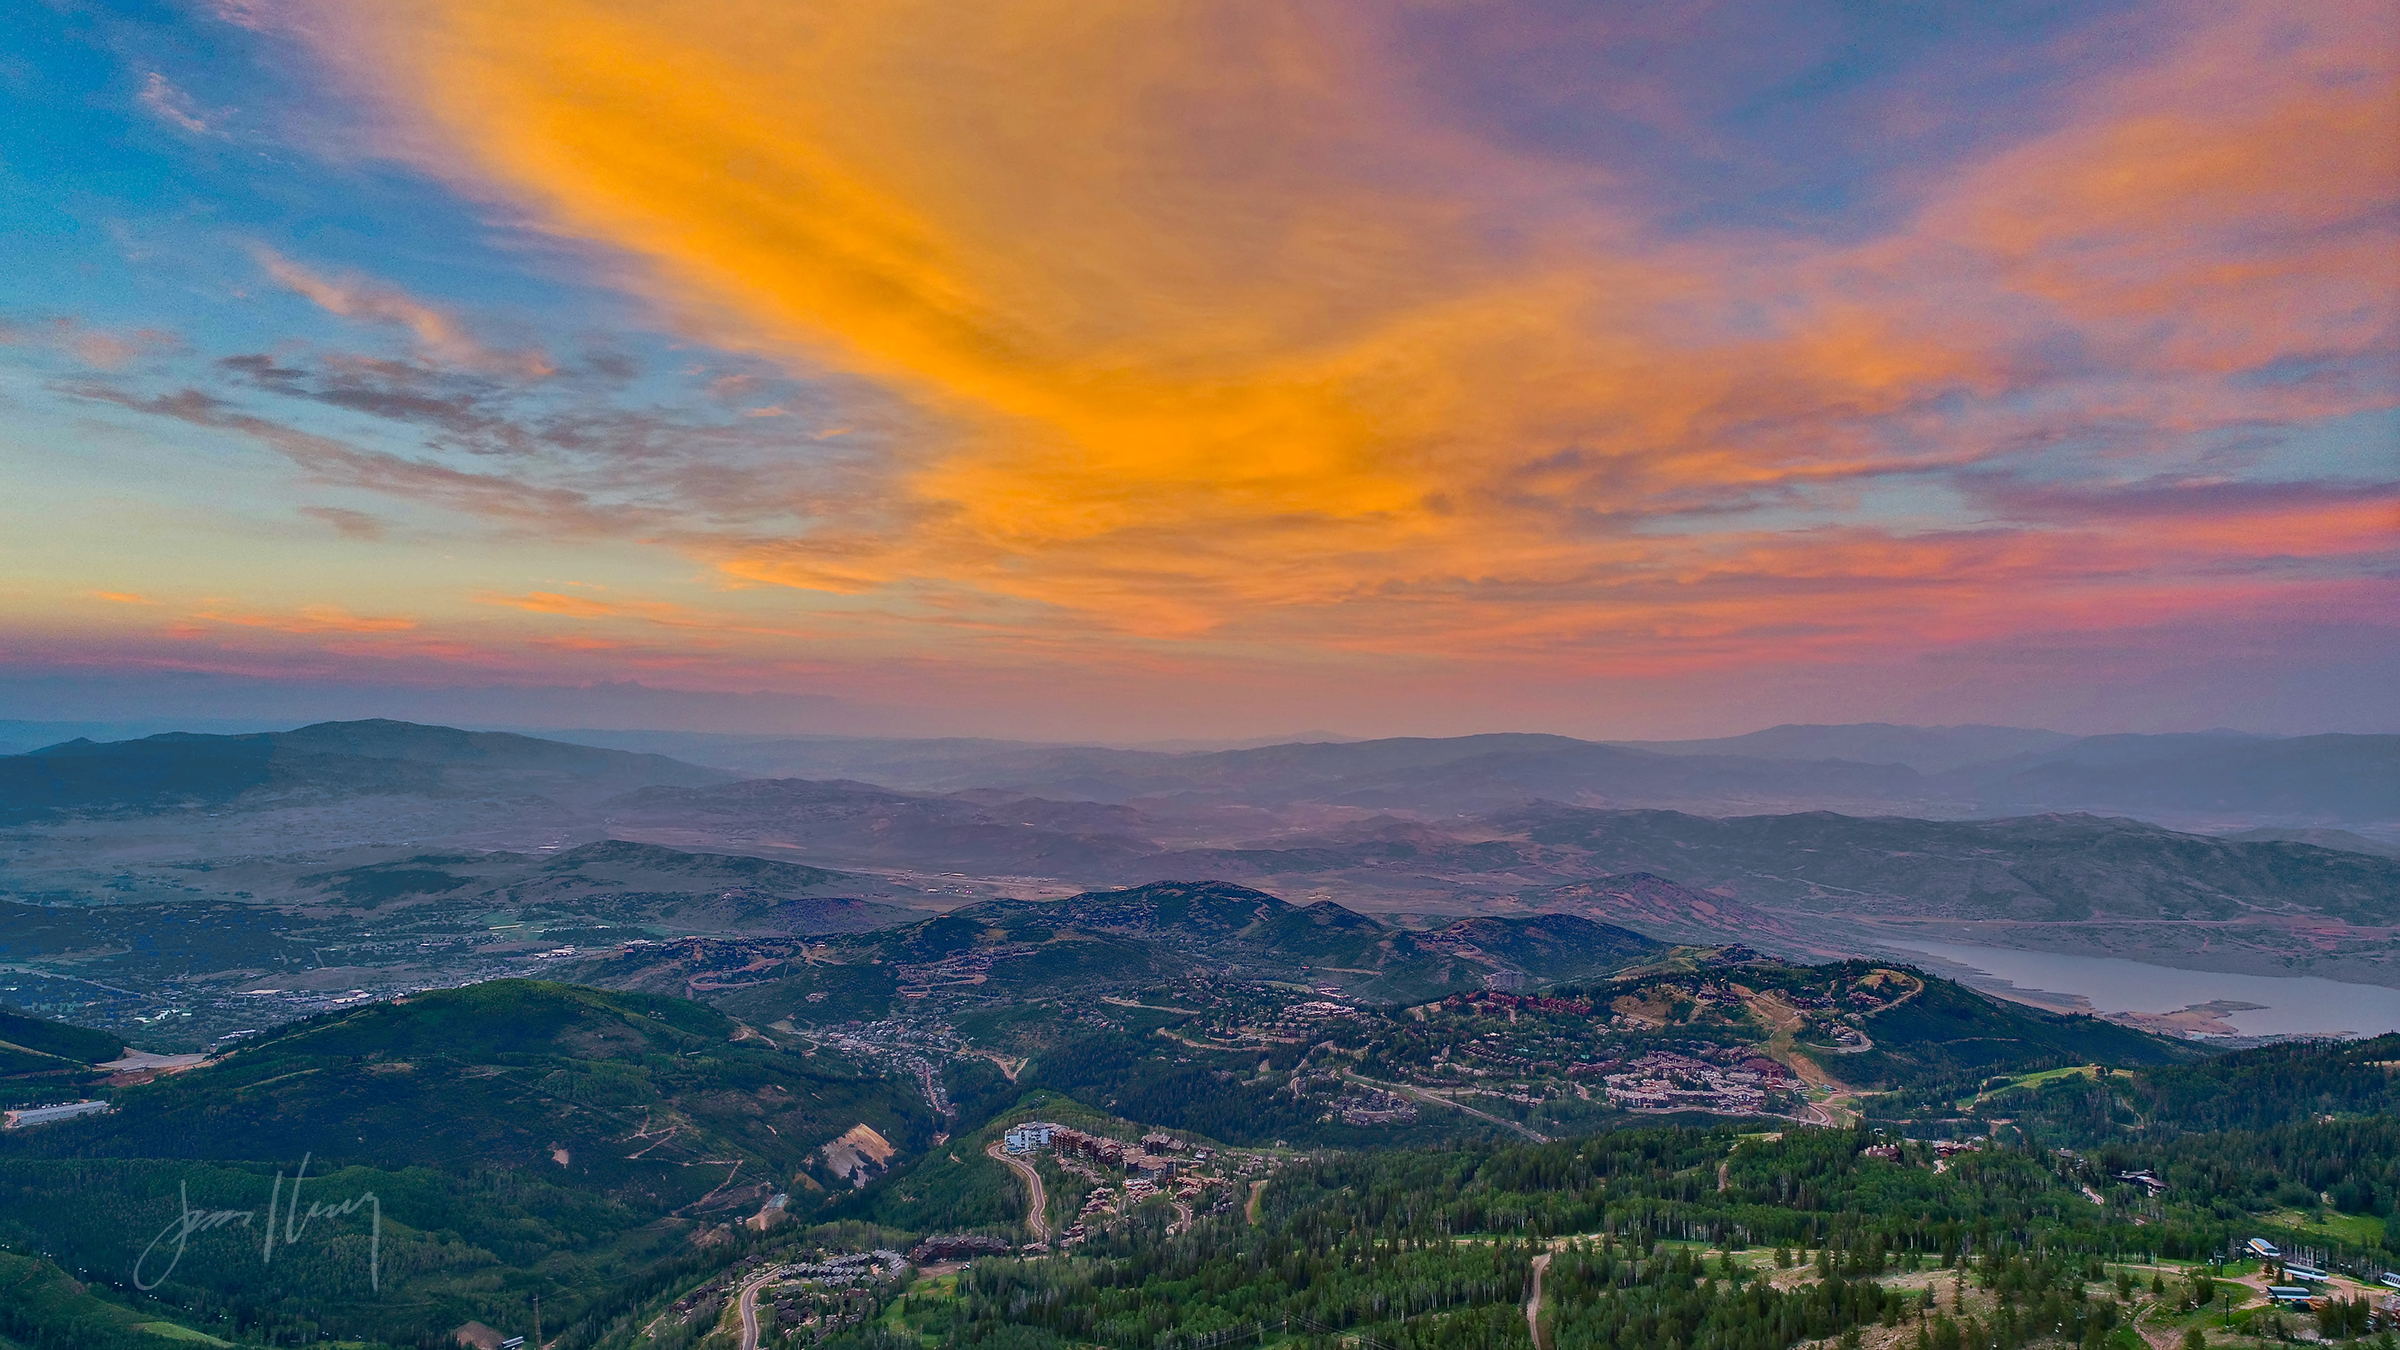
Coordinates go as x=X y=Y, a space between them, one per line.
x=2297 y=1005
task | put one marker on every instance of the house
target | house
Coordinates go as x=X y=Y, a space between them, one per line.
x=2291 y=1296
x=2263 y=1249
x=2148 y=1181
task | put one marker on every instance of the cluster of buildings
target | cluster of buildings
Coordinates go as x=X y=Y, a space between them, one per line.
x=809 y=1298
x=912 y=1049
x=970 y=967
x=1664 y=1080
x=1942 y=1149
x=958 y=1247
x=1293 y=1024
x=1373 y=1106
x=1484 y=999
x=1159 y=1155
x=1160 y=1165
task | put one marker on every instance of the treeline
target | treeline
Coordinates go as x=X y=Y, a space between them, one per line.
x=2253 y=1090
x=1433 y=1249
x=2354 y=1164
x=451 y=1247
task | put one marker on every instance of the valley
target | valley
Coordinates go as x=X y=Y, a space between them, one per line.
x=725 y=1061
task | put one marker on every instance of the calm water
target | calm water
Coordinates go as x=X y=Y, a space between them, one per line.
x=2297 y=1005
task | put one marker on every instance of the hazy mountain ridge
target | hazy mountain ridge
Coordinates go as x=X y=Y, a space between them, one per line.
x=324 y=761
x=2211 y=778
x=1928 y=750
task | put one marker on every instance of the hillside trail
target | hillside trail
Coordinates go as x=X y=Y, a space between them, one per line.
x=1037 y=1205
x=1533 y=1305
x=1258 y=1191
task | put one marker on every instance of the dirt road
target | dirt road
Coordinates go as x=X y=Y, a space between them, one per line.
x=1533 y=1305
x=1037 y=1205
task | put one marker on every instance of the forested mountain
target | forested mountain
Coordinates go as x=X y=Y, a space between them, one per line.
x=602 y=1150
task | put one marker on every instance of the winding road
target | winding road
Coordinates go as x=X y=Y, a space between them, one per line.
x=1037 y=1206
x=747 y=1305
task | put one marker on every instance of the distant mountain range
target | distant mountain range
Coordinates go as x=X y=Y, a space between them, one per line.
x=2216 y=780
x=1678 y=841
x=2222 y=781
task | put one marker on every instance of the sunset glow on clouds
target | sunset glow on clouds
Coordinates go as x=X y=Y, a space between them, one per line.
x=1222 y=367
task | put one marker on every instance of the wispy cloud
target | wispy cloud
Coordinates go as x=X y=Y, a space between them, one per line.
x=308 y=619
x=347 y=523
x=171 y=105
x=438 y=333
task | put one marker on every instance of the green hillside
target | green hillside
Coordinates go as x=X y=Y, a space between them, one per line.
x=43 y=1306
x=1951 y=1034
x=31 y=1043
x=2264 y=1088
x=650 y=1100
x=607 y=1140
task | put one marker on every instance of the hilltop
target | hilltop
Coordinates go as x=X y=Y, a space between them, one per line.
x=1010 y=950
x=326 y=761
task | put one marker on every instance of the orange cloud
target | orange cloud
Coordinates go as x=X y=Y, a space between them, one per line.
x=310 y=619
x=2237 y=201
x=1214 y=338
x=122 y=598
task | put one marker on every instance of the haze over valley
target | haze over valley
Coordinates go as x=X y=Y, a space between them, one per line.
x=162 y=884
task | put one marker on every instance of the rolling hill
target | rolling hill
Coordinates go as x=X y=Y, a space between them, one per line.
x=326 y=761
x=1116 y=941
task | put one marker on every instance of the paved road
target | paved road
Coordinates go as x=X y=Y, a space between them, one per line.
x=1423 y=1095
x=1533 y=1305
x=1037 y=1207
x=747 y=1303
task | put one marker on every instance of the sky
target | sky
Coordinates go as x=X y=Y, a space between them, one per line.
x=1087 y=370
